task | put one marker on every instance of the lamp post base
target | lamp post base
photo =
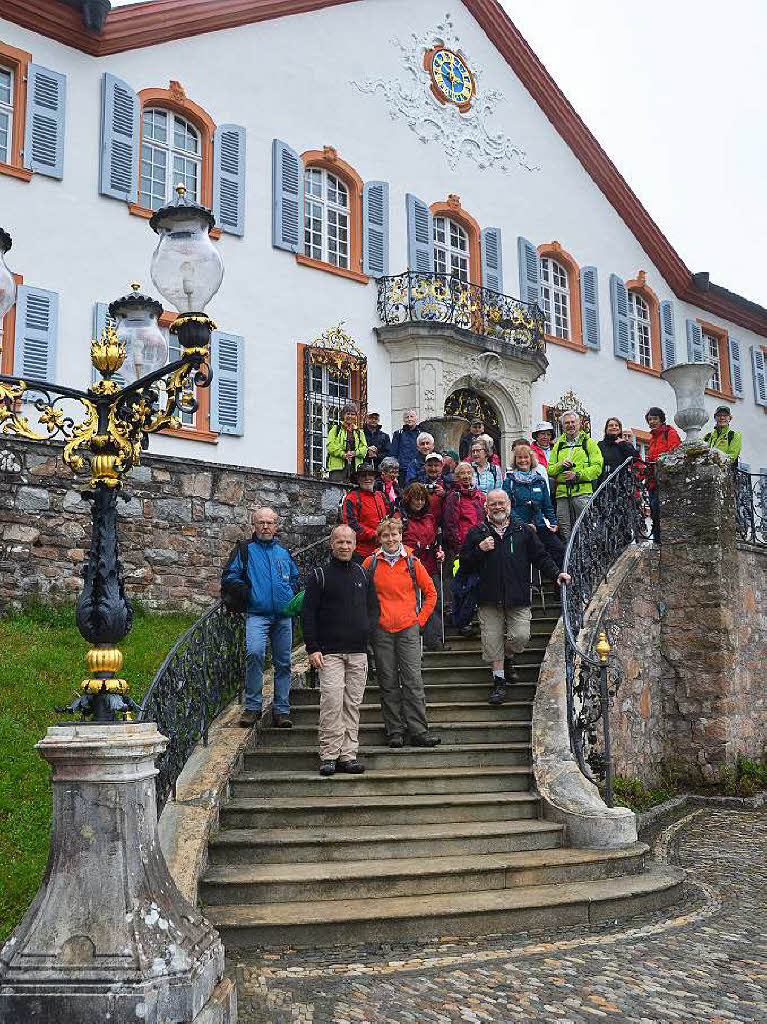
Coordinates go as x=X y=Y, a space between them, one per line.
x=108 y=936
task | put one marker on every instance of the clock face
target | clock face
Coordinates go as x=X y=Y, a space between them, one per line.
x=452 y=77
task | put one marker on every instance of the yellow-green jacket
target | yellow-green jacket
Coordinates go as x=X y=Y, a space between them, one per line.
x=727 y=441
x=587 y=459
x=336 y=446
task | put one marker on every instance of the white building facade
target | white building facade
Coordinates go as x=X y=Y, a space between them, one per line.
x=353 y=141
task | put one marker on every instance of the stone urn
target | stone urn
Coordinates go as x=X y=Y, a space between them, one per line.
x=446 y=430
x=689 y=382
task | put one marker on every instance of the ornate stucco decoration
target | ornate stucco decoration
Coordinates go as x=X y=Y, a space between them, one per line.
x=472 y=133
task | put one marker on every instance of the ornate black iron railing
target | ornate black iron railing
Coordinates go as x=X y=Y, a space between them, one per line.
x=442 y=299
x=751 y=506
x=204 y=671
x=613 y=519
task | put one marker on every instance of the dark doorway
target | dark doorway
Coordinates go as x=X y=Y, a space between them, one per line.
x=472 y=405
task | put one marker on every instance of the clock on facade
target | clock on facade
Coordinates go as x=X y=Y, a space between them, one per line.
x=451 y=79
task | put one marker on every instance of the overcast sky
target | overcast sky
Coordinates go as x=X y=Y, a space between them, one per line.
x=676 y=93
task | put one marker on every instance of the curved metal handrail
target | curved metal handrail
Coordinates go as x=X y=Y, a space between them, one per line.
x=751 y=506
x=612 y=520
x=202 y=673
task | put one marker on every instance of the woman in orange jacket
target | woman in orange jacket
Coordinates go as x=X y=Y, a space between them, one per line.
x=406 y=597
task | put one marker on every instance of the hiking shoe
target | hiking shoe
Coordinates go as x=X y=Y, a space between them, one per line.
x=396 y=742
x=425 y=740
x=354 y=767
x=436 y=645
x=499 y=695
x=327 y=768
x=280 y=721
x=249 y=718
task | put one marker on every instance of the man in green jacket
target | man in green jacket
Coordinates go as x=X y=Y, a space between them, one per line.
x=346 y=447
x=721 y=437
x=575 y=462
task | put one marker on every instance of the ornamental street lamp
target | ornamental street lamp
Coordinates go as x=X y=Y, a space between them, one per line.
x=108 y=427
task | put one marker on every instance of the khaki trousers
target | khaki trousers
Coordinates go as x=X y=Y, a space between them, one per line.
x=503 y=630
x=398 y=669
x=342 y=687
x=579 y=502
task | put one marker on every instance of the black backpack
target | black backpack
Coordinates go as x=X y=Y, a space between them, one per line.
x=234 y=592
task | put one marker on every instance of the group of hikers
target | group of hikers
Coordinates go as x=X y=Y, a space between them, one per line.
x=414 y=527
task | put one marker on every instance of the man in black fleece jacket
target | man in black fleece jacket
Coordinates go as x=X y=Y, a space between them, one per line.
x=339 y=613
x=501 y=553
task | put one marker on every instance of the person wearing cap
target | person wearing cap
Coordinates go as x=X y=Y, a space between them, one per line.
x=378 y=441
x=424 y=444
x=543 y=438
x=345 y=446
x=476 y=428
x=721 y=437
x=435 y=485
x=363 y=508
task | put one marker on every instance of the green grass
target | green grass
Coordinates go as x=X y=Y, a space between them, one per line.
x=41 y=666
x=744 y=778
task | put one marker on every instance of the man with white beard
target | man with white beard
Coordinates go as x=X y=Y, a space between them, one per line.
x=501 y=553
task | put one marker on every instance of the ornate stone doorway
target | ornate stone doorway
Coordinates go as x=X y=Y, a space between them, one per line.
x=471 y=404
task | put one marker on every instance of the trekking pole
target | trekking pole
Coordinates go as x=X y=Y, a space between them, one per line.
x=442 y=600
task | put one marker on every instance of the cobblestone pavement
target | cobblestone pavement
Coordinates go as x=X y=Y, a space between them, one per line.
x=704 y=960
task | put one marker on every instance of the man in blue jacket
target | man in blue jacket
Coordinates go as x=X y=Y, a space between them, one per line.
x=272 y=577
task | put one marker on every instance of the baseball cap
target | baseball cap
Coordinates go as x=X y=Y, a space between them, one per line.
x=433 y=456
x=543 y=425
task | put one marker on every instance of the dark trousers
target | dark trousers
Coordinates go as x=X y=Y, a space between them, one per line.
x=553 y=544
x=398 y=670
x=655 y=513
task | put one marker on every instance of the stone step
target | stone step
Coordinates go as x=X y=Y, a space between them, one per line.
x=231 y=884
x=328 y=811
x=487 y=731
x=381 y=842
x=452 y=755
x=458 y=643
x=403 y=782
x=442 y=690
x=478 y=673
x=521 y=908
x=450 y=711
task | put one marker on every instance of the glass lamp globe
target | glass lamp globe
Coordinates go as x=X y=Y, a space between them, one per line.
x=7 y=284
x=136 y=326
x=187 y=268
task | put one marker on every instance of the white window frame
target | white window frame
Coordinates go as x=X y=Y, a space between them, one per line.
x=6 y=108
x=640 y=328
x=555 y=297
x=327 y=218
x=714 y=356
x=452 y=252
x=172 y=153
x=325 y=407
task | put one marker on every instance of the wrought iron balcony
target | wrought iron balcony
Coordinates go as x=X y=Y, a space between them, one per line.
x=414 y=297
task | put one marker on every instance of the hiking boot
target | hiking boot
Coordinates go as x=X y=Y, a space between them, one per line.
x=354 y=767
x=499 y=695
x=327 y=768
x=436 y=645
x=396 y=742
x=280 y=721
x=425 y=740
x=249 y=718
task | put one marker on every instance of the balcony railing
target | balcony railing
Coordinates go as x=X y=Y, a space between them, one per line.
x=441 y=299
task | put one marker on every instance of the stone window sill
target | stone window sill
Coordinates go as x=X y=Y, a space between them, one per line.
x=16 y=172
x=191 y=434
x=574 y=346
x=721 y=394
x=643 y=369
x=351 y=275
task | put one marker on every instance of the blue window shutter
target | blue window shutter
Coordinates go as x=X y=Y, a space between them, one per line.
x=375 y=219
x=420 y=235
x=590 y=306
x=45 y=123
x=492 y=259
x=37 y=329
x=227 y=389
x=667 y=334
x=529 y=272
x=287 y=197
x=619 y=304
x=736 y=371
x=229 y=178
x=120 y=129
x=696 y=352
x=102 y=319
x=760 y=375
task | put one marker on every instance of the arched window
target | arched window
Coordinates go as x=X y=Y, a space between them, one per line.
x=327 y=229
x=6 y=113
x=451 y=248
x=555 y=295
x=171 y=153
x=640 y=328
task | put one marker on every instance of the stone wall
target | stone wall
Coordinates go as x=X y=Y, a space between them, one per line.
x=179 y=522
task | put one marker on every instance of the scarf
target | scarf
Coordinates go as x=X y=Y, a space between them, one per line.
x=524 y=476
x=393 y=557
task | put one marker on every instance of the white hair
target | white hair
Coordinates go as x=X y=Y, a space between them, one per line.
x=500 y=490
x=488 y=441
x=569 y=412
x=424 y=436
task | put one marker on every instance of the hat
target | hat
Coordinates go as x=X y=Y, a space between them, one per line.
x=723 y=408
x=453 y=455
x=543 y=425
x=363 y=468
x=433 y=455
x=476 y=420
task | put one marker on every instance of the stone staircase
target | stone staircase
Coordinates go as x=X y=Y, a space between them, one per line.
x=428 y=842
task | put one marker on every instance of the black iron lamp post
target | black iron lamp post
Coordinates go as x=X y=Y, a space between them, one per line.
x=108 y=426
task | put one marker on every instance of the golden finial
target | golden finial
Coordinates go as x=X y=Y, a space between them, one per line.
x=603 y=647
x=107 y=352
x=135 y=285
x=181 y=188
